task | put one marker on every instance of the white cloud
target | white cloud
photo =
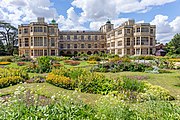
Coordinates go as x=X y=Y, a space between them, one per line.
x=175 y=24
x=71 y=22
x=116 y=22
x=18 y=11
x=162 y=24
x=104 y=9
x=165 y=29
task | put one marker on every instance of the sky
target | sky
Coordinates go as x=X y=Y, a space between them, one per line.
x=91 y=14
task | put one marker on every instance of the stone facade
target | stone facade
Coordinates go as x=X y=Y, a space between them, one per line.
x=132 y=39
x=74 y=42
x=42 y=39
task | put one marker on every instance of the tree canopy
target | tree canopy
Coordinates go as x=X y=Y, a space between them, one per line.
x=8 y=38
x=173 y=46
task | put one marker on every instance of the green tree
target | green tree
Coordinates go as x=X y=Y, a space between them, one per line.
x=173 y=47
x=8 y=37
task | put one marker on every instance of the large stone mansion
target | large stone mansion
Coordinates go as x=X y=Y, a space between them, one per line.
x=43 y=39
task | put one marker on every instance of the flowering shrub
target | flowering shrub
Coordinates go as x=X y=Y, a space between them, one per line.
x=25 y=104
x=10 y=76
x=44 y=64
x=12 y=80
x=21 y=63
x=5 y=63
x=175 y=60
x=121 y=66
x=60 y=81
x=92 y=62
x=82 y=79
x=153 y=92
x=71 y=62
x=37 y=79
x=132 y=85
x=32 y=68
x=8 y=72
x=94 y=58
x=86 y=81
x=146 y=57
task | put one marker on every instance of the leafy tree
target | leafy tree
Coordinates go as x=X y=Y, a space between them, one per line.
x=173 y=47
x=8 y=37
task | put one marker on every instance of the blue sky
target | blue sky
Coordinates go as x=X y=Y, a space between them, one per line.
x=171 y=9
x=91 y=14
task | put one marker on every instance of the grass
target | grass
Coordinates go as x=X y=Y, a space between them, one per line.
x=48 y=90
x=14 y=65
x=82 y=64
x=165 y=80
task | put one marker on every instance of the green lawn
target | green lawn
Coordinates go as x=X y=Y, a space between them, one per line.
x=82 y=64
x=165 y=80
x=14 y=65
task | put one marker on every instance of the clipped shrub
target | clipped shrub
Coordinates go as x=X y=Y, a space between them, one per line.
x=5 y=63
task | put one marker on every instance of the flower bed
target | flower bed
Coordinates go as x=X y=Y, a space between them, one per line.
x=92 y=62
x=10 y=76
x=86 y=81
x=21 y=63
x=71 y=62
x=121 y=66
x=60 y=81
x=174 y=60
x=7 y=81
x=5 y=63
